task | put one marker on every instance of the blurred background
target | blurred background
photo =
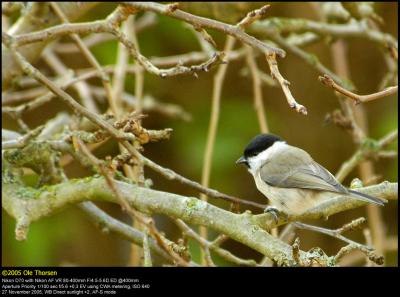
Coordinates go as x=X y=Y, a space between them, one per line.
x=70 y=239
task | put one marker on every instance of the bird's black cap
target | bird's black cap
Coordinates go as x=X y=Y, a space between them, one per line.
x=260 y=143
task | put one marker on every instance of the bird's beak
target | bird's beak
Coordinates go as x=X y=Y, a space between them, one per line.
x=241 y=160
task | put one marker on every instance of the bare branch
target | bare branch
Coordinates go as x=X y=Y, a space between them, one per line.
x=238 y=227
x=146 y=21
x=350 y=30
x=213 y=246
x=310 y=59
x=208 y=23
x=328 y=81
x=242 y=227
x=212 y=129
x=146 y=251
x=335 y=233
x=369 y=252
x=257 y=91
x=273 y=65
x=351 y=247
x=108 y=26
x=296 y=252
x=367 y=149
x=253 y=16
x=22 y=140
x=32 y=22
x=109 y=224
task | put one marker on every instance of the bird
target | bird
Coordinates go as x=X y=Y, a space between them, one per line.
x=290 y=178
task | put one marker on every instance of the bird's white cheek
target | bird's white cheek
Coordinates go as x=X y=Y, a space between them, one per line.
x=252 y=168
x=255 y=163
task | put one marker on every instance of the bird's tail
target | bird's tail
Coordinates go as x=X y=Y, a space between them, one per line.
x=367 y=198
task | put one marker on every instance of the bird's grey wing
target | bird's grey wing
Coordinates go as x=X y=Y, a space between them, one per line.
x=294 y=168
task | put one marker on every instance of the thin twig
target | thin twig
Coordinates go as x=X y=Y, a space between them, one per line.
x=150 y=104
x=109 y=224
x=212 y=129
x=368 y=240
x=351 y=247
x=337 y=233
x=63 y=84
x=273 y=65
x=82 y=87
x=370 y=148
x=90 y=58
x=146 y=21
x=214 y=246
x=173 y=249
x=9 y=134
x=21 y=141
x=271 y=59
x=32 y=21
x=234 y=31
x=257 y=91
x=220 y=240
x=136 y=172
x=296 y=252
x=369 y=252
x=310 y=59
x=209 y=260
x=192 y=57
x=253 y=16
x=349 y=30
x=110 y=25
x=21 y=96
x=328 y=81
x=146 y=251
x=288 y=233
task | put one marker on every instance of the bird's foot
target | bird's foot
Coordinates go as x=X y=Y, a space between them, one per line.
x=274 y=212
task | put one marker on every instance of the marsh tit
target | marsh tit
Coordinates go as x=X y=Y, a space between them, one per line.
x=290 y=178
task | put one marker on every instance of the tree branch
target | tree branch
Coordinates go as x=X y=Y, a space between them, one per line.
x=352 y=29
x=146 y=21
x=110 y=25
x=368 y=148
x=213 y=126
x=213 y=246
x=27 y=205
x=36 y=21
x=109 y=224
x=273 y=65
x=257 y=90
x=328 y=81
x=234 y=31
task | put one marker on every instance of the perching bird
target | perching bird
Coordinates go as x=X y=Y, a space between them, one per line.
x=290 y=178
